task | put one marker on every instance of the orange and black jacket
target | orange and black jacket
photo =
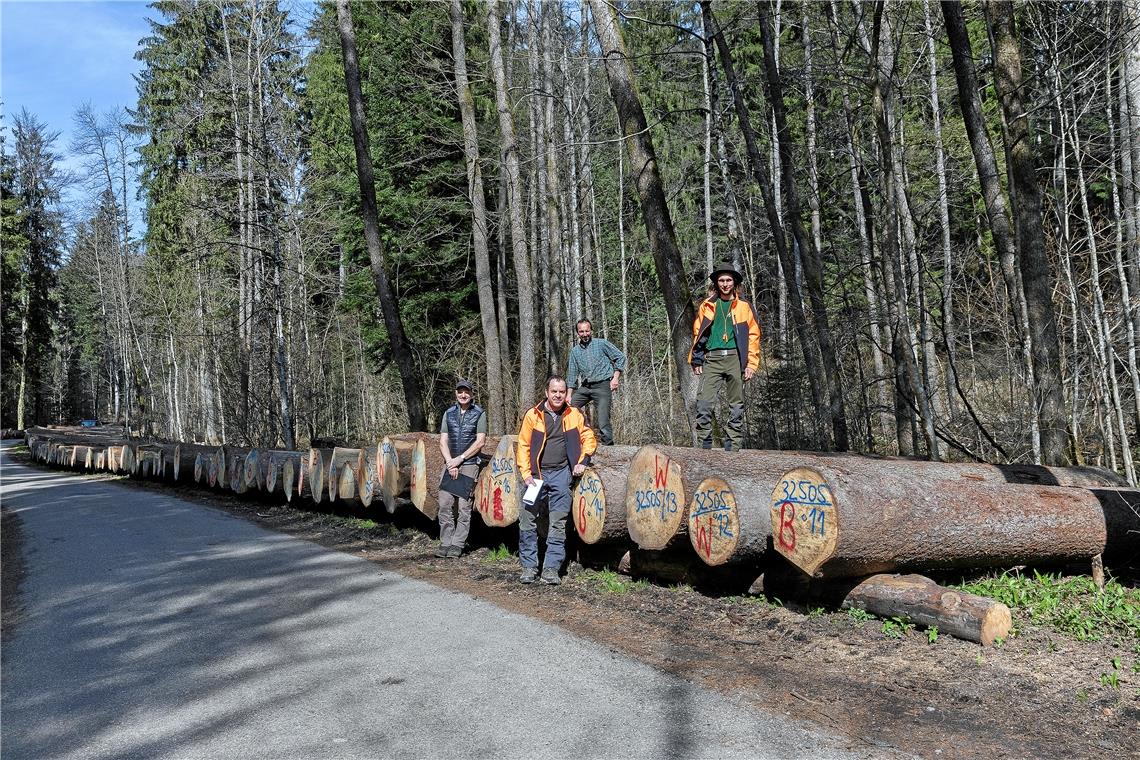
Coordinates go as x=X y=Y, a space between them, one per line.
x=580 y=439
x=744 y=326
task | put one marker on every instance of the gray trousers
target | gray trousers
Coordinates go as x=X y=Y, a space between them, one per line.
x=602 y=397
x=455 y=513
x=721 y=371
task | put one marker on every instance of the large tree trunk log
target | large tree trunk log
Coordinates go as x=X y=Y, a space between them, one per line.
x=271 y=469
x=833 y=525
x=598 y=499
x=367 y=478
x=654 y=499
x=345 y=476
x=185 y=460
x=427 y=467
x=498 y=491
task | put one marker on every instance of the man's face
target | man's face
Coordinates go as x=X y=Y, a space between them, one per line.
x=463 y=396
x=555 y=394
x=725 y=284
x=585 y=332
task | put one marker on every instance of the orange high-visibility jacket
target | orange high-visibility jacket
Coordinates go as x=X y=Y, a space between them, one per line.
x=580 y=439
x=744 y=325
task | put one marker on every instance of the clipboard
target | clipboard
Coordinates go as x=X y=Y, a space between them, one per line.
x=463 y=486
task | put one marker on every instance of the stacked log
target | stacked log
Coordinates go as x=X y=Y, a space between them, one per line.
x=655 y=507
x=311 y=478
x=273 y=476
x=598 y=499
x=367 y=477
x=394 y=459
x=498 y=490
x=832 y=524
x=336 y=461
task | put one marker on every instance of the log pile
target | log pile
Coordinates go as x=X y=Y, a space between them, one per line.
x=836 y=526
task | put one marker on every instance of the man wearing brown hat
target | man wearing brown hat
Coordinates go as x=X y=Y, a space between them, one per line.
x=725 y=352
x=461 y=436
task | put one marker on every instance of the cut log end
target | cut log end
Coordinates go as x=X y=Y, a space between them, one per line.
x=498 y=490
x=417 y=480
x=714 y=522
x=589 y=507
x=654 y=499
x=805 y=527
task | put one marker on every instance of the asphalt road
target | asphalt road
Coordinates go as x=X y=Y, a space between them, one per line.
x=156 y=627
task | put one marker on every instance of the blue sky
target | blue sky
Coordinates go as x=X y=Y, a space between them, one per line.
x=58 y=55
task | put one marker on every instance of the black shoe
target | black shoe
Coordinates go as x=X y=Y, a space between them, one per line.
x=442 y=551
x=528 y=575
x=455 y=552
x=706 y=445
x=550 y=577
x=728 y=446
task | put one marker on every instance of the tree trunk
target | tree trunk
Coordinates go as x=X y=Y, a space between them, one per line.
x=669 y=263
x=526 y=356
x=832 y=524
x=388 y=305
x=479 y=235
x=1036 y=276
x=498 y=491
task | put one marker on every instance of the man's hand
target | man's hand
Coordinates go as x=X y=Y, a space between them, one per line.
x=748 y=374
x=454 y=472
x=453 y=463
x=697 y=369
x=529 y=482
x=579 y=469
x=614 y=383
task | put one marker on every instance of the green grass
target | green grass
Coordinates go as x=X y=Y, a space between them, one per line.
x=361 y=524
x=609 y=582
x=1069 y=605
x=500 y=554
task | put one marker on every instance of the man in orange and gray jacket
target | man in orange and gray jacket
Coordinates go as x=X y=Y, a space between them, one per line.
x=725 y=352
x=554 y=445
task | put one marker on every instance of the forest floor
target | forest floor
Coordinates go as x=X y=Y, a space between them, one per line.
x=1040 y=694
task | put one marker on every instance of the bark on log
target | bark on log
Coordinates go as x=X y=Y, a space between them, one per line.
x=834 y=525
x=921 y=600
x=1121 y=508
x=185 y=461
x=598 y=499
x=498 y=491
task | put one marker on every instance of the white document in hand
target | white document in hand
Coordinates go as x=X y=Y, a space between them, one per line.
x=532 y=492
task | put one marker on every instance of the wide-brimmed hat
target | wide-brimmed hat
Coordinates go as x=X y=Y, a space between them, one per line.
x=464 y=383
x=725 y=267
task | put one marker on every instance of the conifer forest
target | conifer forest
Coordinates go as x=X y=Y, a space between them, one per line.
x=315 y=217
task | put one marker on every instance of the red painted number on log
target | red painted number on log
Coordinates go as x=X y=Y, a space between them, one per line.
x=787 y=532
x=497 y=501
x=582 y=515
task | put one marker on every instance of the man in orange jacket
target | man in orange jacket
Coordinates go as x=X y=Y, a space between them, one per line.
x=725 y=352
x=554 y=445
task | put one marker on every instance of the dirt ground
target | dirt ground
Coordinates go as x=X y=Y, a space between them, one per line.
x=1038 y=695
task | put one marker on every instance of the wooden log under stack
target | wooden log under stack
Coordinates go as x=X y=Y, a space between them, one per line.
x=185 y=462
x=834 y=525
x=921 y=600
x=498 y=491
x=915 y=598
x=598 y=499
